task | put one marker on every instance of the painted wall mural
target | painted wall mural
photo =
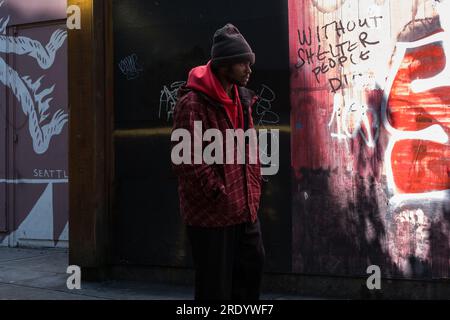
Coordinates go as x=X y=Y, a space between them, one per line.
x=371 y=82
x=33 y=87
x=415 y=113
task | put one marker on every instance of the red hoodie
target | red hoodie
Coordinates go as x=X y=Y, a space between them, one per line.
x=204 y=80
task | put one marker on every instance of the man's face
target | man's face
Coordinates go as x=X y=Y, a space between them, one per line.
x=239 y=73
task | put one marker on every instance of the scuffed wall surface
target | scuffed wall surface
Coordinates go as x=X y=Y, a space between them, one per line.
x=370 y=146
x=34 y=115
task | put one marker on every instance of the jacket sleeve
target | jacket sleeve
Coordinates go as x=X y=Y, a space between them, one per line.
x=202 y=176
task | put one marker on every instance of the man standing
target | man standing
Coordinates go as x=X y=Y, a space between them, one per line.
x=219 y=202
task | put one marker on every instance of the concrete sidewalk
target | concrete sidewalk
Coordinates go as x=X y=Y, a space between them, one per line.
x=40 y=274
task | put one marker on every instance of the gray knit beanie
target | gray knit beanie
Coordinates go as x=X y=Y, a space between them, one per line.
x=229 y=46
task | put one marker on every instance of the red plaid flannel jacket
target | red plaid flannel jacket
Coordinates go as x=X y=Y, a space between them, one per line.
x=216 y=195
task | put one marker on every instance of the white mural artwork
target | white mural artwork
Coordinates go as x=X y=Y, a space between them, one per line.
x=434 y=133
x=130 y=66
x=34 y=100
x=352 y=118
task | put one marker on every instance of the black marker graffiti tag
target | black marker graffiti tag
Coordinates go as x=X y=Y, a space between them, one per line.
x=328 y=57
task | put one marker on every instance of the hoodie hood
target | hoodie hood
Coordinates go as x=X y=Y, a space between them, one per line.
x=202 y=79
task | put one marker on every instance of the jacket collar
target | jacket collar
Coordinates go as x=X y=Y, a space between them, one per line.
x=248 y=97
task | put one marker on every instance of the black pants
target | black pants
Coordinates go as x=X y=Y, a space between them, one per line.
x=228 y=261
